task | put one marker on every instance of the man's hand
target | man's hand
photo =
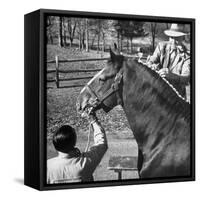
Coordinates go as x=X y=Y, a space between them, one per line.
x=154 y=66
x=164 y=72
x=92 y=117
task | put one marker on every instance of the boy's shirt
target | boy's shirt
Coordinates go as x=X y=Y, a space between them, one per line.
x=76 y=166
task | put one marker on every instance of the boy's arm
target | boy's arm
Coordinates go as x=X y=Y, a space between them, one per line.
x=96 y=152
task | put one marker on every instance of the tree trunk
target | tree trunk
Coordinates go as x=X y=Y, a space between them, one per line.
x=98 y=40
x=65 y=38
x=71 y=29
x=99 y=35
x=131 y=45
x=87 y=36
x=103 y=43
x=153 y=42
x=71 y=42
x=118 y=44
x=121 y=43
x=64 y=33
x=60 y=32
x=127 y=45
x=51 y=39
x=153 y=34
x=93 y=41
x=83 y=40
x=79 y=41
x=50 y=22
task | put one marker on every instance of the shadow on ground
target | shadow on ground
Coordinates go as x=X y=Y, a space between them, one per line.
x=19 y=181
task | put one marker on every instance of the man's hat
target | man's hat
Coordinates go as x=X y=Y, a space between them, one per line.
x=176 y=30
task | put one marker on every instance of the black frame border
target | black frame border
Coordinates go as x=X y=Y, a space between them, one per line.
x=43 y=13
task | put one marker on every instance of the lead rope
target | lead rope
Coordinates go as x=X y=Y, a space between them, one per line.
x=88 y=139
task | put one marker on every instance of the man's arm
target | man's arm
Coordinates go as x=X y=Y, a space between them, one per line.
x=182 y=78
x=185 y=73
x=154 y=60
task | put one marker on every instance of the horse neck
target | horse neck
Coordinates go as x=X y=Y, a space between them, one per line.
x=148 y=106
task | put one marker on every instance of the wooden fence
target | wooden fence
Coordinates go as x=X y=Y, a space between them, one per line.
x=58 y=71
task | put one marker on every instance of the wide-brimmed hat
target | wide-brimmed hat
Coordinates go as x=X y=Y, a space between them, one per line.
x=176 y=30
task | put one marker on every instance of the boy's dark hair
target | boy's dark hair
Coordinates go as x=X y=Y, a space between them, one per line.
x=64 y=139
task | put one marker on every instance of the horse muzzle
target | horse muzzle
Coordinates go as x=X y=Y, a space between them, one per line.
x=86 y=105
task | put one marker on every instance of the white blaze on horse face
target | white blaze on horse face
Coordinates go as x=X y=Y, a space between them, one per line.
x=83 y=101
x=95 y=76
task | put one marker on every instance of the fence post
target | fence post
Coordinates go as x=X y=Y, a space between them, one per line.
x=57 y=71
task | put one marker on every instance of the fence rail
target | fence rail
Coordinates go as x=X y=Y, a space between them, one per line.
x=73 y=71
x=77 y=60
x=58 y=71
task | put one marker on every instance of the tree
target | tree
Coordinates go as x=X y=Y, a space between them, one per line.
x=86 y=35
x=50 y=24
x=118 y=25
x=71 y=28
x=65 y=31
x=81 y=33
x=99 y=24
x=153 y=27
x=134 y=29
x=105 y=31
x=99 y=29
x=167 y=25
x=131 y=29
x=60 y=40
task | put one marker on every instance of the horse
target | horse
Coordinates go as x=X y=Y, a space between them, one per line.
x=158 y=117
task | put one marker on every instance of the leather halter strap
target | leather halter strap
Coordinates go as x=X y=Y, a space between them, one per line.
x=114 y=88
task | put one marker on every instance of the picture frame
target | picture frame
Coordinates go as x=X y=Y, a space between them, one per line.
x=40 y=116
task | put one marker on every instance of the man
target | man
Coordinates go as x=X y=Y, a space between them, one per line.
x=70 y=165
x=172 y=60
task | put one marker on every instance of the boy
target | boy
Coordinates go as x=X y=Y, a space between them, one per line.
x=71 y=165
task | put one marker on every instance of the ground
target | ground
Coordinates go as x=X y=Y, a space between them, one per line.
x=61 y=109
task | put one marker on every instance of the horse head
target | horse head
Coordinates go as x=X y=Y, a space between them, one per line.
x=103 y=89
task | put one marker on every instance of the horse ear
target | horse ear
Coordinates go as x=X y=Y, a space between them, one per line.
x=112 y=55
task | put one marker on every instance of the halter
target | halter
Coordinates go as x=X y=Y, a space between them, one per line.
x=114 y=88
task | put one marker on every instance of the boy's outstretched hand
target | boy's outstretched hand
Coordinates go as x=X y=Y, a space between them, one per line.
x=92 y=117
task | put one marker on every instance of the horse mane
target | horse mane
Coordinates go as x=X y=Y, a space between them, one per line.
x=169 y=84
x=171 y=94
